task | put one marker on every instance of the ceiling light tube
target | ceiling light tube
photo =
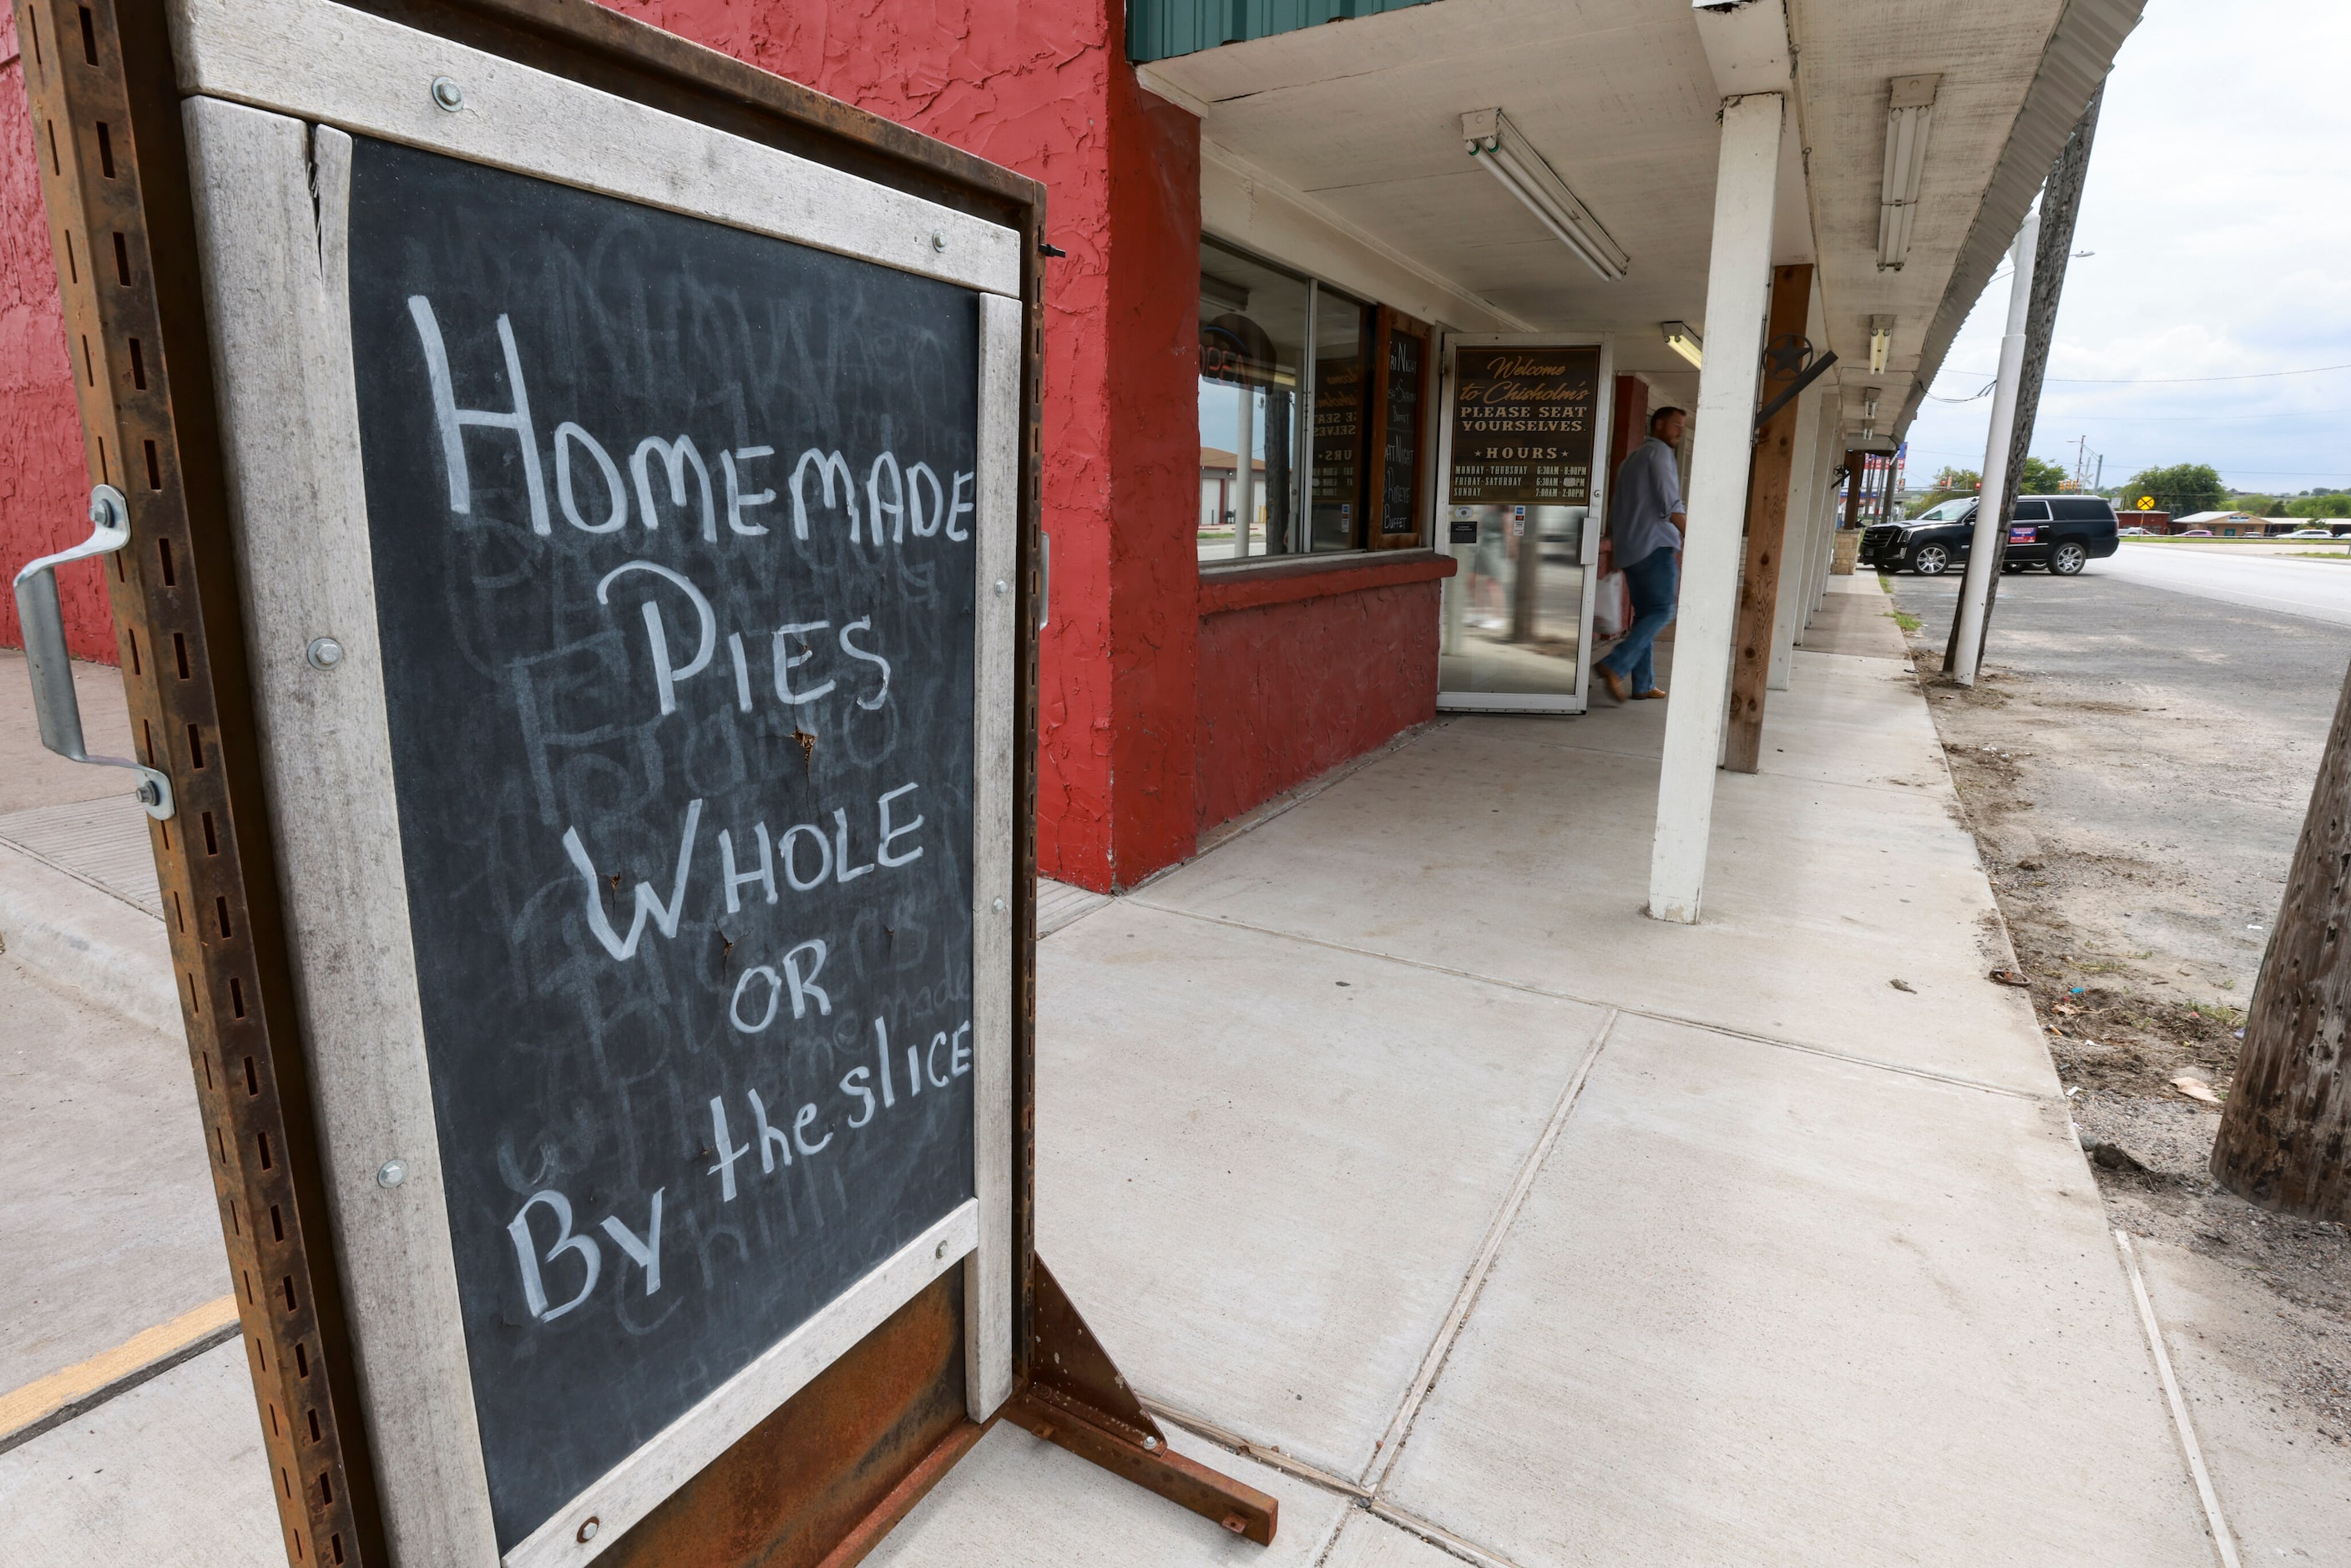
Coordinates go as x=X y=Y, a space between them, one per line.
x=1684 y=340
x=1909 y=111
x=1525 y=184
x=1881 y=342
x=1498 y=144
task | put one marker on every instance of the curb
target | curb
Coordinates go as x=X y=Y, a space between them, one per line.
x=107 y=952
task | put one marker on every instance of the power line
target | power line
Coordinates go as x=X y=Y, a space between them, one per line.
x=2156 y=381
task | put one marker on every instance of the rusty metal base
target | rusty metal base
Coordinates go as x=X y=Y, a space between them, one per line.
x=1076 y=1397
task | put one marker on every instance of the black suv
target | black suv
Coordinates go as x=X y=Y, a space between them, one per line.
x=2061 y=532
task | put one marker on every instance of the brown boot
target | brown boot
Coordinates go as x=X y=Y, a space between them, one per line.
x=1612 y=680
x=1653 y=692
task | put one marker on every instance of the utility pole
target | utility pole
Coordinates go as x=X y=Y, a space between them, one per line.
x=2285 y=1134
x=2061 y=204
x=1996 y=498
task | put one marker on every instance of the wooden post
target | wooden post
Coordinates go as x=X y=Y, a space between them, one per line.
x=1857 y=465
x=1767 y=528
x=2286 y=1136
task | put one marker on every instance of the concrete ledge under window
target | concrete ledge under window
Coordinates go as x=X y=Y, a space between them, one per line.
x=1288 y=581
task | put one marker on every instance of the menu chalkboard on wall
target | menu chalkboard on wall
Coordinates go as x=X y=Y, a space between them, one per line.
x=1400 y=456
x=671 y=528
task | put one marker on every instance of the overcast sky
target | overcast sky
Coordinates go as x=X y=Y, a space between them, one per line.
x=2219 y=205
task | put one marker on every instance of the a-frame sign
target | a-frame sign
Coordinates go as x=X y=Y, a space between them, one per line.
x=569 y=501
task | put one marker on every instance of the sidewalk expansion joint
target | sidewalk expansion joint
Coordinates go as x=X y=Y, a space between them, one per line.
x=1437 y=1535
x=1730 y=1031
x=2224 y=1545
x=1368 y=1501
x=1391 y=1444
x=1390 y=1447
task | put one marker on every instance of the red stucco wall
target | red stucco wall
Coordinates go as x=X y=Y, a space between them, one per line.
x=44 y=492
x=1288 y=690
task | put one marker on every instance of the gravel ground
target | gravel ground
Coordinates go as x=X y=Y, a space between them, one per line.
x=2136 y=764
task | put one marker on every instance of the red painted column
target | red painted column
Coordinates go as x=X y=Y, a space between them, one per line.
x=44 y=490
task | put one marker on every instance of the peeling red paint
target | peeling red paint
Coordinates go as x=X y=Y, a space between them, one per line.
x=1291 y=689
x=43 y=491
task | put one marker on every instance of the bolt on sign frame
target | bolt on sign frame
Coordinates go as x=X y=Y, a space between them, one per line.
x=196 y=158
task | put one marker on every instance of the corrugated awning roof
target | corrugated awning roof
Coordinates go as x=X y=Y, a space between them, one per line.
x=2081 y=50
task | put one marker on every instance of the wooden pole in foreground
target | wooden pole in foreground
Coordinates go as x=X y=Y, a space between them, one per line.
x=1767 y=528
x=2286 y=1135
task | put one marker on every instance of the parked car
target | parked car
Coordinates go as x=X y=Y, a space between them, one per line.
x=2132 y=533
x=2062 y=533
x=2311 y=534
x=2196 y=534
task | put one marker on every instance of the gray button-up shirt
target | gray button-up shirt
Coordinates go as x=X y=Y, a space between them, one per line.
x=1648 y=492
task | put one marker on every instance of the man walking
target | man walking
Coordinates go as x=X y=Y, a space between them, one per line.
x=1645 y=522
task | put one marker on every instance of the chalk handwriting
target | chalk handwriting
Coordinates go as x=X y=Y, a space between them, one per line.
x=902 y=500
x=806 y=857
x=649 y=904
x=644 y=1250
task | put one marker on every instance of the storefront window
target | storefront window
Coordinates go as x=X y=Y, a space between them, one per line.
x=1307 y=421
x=1253 y=331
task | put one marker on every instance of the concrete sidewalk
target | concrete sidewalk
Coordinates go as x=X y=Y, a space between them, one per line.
x=1393 y=1141
x=1391 y=1144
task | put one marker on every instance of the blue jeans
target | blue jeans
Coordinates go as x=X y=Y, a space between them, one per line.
x=1652 y=580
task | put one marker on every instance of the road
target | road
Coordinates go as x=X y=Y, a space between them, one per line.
x=2168 y=737
x=2284 y=584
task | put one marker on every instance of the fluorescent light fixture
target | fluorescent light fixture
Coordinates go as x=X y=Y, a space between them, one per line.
x=1222 y=291
x=1909 y=107
x=1869 y=404
x=1683 y=339
x=1881 y=340
x=1498 y=144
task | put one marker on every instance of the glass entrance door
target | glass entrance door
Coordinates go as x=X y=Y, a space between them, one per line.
x=1522 y=502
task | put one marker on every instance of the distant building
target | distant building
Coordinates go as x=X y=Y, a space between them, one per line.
x=2224 y=525
x=1219 y=498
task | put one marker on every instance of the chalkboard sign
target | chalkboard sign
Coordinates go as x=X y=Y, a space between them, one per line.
x=1400 y=459
x=671 y=527
x=1523 y=419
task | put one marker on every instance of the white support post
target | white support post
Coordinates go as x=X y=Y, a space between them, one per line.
x=1797 y=557
x=1992 y=507
x=1738 y=289
x=1824 y=507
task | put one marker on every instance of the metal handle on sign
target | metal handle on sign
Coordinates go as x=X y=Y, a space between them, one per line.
x=1044 y=581
x=55 y=704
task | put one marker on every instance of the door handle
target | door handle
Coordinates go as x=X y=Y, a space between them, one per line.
x=1044 y=581
x=55 y=704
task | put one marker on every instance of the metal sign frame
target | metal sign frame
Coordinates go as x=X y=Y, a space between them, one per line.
x=161 y=123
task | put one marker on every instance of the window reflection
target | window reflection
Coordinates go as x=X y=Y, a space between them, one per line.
x=1253 y=323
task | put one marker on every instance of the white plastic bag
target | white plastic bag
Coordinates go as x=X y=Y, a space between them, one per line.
x=1612 y=612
